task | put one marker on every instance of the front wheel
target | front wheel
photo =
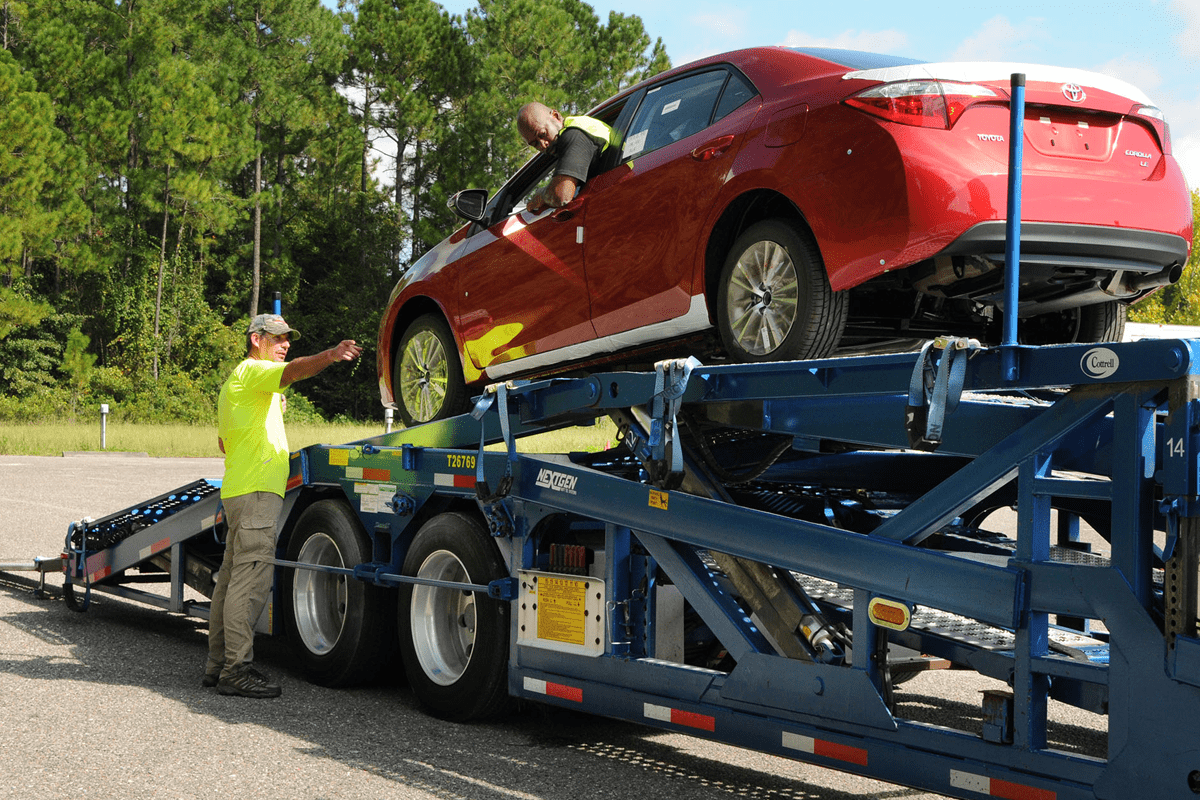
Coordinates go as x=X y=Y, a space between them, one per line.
x=454 y=642
x=774 y=301
x=427 y=378
x=341 y=628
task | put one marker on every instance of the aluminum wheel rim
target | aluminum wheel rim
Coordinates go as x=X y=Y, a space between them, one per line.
x=320 y=599
x=424 y=376
x=443 y=620
x=763 y=298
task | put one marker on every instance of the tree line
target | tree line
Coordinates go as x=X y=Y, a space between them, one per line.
x=166 y=166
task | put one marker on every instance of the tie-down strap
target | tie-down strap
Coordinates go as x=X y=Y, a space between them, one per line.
x=935 y=389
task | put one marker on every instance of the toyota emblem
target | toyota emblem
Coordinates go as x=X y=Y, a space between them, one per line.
x=1074 y=92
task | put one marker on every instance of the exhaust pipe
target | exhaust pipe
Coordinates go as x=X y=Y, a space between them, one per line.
x=1165 y=277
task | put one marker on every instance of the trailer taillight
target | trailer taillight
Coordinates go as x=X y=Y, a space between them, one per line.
x=924 y=103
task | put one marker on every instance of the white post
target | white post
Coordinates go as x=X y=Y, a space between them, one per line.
x=103 y=423
x=387 y=420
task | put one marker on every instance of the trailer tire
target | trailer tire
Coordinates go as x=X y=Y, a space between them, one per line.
x=341 y=629
x=454 y=644
x=774 y=301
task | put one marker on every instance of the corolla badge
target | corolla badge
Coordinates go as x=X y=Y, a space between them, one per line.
x=1074 y=92
x=1099 y=362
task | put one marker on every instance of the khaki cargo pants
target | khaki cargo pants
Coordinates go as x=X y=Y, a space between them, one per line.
x=244 y=579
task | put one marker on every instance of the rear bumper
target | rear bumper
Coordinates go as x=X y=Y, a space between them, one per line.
x=1080 y=246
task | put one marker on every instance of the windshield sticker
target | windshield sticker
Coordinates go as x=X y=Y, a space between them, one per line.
x=671 y=106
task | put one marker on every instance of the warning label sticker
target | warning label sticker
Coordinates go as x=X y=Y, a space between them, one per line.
x=561 y=609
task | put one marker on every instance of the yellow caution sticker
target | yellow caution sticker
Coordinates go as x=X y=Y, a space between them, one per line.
x=561 y=609
x=338 y=458
x=658 y=499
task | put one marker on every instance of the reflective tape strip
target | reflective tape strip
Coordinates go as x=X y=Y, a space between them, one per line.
x=572 y=693
x=675 y=716
x=294 y=482
x=820 y=747
x=456 y=481
x=994 y=787
x=157 y=547
x=100 y=575
x=368 y=474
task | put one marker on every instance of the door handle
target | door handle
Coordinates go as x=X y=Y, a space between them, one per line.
x=710 y=150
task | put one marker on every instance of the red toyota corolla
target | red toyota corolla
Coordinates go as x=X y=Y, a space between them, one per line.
x=774 y=204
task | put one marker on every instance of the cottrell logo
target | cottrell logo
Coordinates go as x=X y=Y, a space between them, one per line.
x=1099 y=362
x=556 y=481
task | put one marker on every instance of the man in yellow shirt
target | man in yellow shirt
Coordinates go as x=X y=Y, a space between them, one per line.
x=251 y=435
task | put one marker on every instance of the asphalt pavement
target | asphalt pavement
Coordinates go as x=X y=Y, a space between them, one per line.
x=108 y=703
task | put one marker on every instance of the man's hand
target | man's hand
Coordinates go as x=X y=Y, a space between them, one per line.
x=346 y=350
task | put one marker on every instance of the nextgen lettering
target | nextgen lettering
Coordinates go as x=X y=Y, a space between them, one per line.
x=556 y=481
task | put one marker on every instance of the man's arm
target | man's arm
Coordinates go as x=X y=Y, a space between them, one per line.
x=560 y=191
x=307 y=366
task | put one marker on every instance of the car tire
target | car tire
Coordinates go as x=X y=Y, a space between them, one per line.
x=341 y=629
x=427 y=378
x=454 y=643
x=1100 y=322
x=774 y=301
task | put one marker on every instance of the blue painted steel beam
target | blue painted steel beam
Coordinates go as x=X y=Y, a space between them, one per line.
x=992 y=469
x=987 y=593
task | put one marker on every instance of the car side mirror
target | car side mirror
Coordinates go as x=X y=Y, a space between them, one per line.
x=469 y=204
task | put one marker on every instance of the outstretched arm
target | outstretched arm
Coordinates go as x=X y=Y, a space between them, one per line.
x=307 y=366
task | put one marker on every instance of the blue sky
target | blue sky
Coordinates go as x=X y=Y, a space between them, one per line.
x=1153 y=44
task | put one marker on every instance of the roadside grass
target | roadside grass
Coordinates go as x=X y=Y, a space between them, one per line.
x=186 y=441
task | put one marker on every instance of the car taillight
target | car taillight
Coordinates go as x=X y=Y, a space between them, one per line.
x=1158 y=121
x=925 y=103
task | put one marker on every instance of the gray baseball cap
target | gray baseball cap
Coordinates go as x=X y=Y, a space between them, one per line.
x=272 y=324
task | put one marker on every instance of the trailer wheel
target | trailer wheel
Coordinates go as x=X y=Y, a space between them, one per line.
x=427 y=381
x=341 y=628
x=774 y=301
x=454 y=644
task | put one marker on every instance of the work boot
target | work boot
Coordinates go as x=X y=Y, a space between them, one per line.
x=210 y=679
x=245 y=681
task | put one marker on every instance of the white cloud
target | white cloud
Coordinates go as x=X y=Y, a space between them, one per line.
x=1141 y=74
x=1188 y=39
x=1187 y=152
x=1000 y=40
x=892 y=42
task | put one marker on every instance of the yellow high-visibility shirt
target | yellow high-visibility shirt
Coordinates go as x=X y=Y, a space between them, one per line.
x=250 y=423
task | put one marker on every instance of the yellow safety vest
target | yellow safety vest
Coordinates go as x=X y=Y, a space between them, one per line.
x=596 y=129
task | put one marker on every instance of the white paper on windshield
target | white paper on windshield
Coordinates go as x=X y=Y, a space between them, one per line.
x=671 y=106
x=634 y=144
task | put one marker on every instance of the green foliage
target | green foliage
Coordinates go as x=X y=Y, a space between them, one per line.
x=1178 y=304
x=167 y=165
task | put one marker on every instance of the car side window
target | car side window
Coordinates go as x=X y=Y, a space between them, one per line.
x=673 y=111
x=736 y=93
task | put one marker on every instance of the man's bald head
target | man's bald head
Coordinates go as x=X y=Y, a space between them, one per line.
x=539 y=125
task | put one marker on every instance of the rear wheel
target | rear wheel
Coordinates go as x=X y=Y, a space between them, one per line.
x=774 y=302
x=454 y=643
x=427 y=377
x=1100 y=322
x=342 y=629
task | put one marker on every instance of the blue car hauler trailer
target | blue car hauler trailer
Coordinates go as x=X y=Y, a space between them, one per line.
x=768 y=554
